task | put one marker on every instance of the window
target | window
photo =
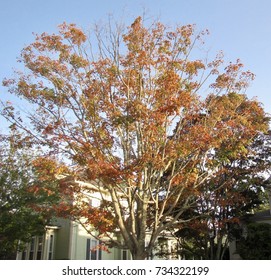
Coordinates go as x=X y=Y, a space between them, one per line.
x=93 y=251
x=32 y=249
x=51 y=247
x=94 y=202
x=40 y=246
x=125 y=254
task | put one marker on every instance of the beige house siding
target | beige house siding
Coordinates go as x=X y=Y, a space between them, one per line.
x=69 y=240
x=63 y=236
x=66 y=241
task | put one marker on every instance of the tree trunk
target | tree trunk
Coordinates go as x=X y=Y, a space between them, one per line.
x=139 y=255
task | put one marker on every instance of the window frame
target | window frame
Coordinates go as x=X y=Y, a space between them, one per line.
x=93 y=254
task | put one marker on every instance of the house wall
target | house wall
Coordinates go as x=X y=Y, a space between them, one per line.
x=233 y=251
x=62 y=240
x=71 y=241
x=79 y=245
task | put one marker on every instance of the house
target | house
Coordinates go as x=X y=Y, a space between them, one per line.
x=66 y=239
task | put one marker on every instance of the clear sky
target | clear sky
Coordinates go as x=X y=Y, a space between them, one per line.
x=241 y=28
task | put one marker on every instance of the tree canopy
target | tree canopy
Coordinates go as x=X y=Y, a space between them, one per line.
x=237 y=189
x=126 y=107
x=19 y=217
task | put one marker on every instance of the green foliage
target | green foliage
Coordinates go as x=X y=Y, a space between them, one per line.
x=256 y=245
x=19 y=218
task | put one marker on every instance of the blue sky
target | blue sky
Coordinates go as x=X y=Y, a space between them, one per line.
x=241 y=28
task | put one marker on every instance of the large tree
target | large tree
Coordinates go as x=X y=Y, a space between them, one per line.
x=125 y=106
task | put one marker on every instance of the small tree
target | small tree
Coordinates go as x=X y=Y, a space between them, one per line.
x=130 y=117
x=19 y=218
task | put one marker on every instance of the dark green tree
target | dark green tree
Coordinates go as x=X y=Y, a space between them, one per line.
x=21 y=196
x=256 y=244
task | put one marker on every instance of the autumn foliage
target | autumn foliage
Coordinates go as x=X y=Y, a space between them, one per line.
x=125 y=108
